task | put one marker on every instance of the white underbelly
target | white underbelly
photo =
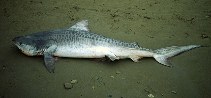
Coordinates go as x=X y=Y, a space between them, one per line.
x=88 y=52
x=94 y=52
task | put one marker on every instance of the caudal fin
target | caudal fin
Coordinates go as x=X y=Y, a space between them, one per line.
x=162 y=55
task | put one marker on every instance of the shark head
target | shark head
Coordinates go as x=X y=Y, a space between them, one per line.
x=26 y=45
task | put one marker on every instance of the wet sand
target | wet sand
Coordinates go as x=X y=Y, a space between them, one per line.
x=153 y=24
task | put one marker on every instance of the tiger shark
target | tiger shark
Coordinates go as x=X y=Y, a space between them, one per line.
x=78 y=42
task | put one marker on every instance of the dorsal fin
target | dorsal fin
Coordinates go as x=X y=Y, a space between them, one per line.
x=82 y=25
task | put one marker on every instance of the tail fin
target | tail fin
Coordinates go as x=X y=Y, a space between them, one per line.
x=162 y=55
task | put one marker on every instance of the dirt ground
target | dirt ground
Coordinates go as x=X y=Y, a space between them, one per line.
x=152 y=23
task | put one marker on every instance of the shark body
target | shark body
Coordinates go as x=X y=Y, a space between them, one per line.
x=78 y=42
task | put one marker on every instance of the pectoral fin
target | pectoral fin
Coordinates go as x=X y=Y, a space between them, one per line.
x=49 y=62
x=49 y=59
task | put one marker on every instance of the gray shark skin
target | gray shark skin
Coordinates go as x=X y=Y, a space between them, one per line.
x=78 y=42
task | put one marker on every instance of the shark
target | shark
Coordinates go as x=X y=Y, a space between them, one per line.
x=78 y=41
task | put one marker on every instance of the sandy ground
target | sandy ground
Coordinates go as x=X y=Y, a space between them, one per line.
x=151 y=23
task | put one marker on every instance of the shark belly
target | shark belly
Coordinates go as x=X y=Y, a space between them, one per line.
x=94 y=52
x=81 y=52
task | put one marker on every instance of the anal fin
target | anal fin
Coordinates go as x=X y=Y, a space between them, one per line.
x=135 y=58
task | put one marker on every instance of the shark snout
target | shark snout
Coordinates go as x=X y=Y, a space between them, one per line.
x=15 y=39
